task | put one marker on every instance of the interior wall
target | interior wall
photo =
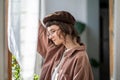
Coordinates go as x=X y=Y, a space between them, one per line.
x=116 y=40
x=2 y=40
x=93 y=32
x=76 y=7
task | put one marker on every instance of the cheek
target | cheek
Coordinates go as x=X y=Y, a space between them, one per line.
x=58 y=39
x=58 y=42
x=61 y=39
x=60 y=36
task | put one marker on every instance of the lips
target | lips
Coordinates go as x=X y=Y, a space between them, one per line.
x=53 y=39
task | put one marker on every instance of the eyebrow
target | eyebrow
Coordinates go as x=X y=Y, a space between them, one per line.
x=53 y=29
x=50 y=30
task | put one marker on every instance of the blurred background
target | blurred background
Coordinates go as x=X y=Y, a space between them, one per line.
x=99 y=35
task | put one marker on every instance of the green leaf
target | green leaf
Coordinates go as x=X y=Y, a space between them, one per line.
x=16 y=70
x=94 y=63
x=80 y=27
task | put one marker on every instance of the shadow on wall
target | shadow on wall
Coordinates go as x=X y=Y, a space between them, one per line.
x=80 y=27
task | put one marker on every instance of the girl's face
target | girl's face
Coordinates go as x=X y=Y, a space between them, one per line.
x=54 y=34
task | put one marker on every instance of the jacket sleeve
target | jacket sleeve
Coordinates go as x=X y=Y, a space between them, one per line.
x=42 y=43
x=83 y=69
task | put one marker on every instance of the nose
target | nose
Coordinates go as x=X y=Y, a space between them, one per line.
x=50 y=37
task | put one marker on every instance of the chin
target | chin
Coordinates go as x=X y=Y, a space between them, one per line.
x=57 y=43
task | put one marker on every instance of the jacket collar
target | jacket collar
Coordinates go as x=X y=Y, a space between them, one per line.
x=71 y=51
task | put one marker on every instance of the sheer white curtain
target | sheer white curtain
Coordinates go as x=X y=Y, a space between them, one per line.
x=23 y=17
x=39 y=59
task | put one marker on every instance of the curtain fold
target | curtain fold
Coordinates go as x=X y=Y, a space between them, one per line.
x=23 y=17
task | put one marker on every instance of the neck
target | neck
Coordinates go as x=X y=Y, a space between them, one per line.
x=69 y=44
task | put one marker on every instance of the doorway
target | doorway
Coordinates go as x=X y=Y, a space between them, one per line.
x=104 y=40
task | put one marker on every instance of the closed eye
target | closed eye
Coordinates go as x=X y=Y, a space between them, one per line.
x=52 y=31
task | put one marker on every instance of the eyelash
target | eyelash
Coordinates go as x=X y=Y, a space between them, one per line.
x=53 y=31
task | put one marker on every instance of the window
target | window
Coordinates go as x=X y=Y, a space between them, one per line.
x=23 y=20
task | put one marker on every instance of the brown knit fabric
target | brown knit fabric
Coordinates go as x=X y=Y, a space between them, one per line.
x=62 y=16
